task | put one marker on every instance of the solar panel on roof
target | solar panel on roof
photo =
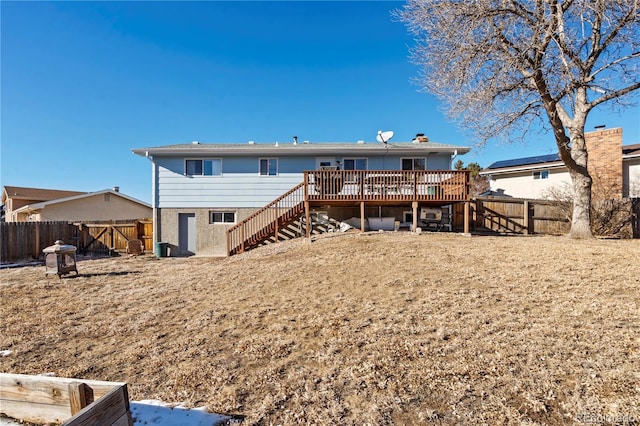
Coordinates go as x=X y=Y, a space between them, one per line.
x=539 y=159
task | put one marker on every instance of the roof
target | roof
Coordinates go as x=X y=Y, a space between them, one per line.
x=43 y=204
x=40 y=194
x=629 y=151
x=525 y=161
x=299 y=149
x=550 y=160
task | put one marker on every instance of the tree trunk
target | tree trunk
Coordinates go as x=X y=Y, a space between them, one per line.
x=581 y=220
x=581 y=180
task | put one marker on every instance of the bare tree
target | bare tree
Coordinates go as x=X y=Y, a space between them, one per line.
x=502 y=66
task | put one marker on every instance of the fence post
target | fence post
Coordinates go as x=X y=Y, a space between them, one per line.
x=525 y=221
x=479 y=214
x=37 y=249
x=466 y=217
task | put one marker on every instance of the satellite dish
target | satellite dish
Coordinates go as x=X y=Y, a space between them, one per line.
x=384 y=137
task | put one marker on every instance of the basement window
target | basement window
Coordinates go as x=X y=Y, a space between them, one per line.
x=222 y=217
x=542 y=174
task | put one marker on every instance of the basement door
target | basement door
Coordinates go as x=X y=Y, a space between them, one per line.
x=187 y=233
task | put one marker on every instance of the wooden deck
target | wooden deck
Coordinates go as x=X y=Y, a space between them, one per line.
x=350 y=187
x=386 y=186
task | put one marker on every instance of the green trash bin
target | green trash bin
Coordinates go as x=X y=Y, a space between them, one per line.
x=161 y=249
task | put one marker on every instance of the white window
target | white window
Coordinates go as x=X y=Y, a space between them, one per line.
x=419 y=163
x=222 y=217
x=203 y=167
x=268 y=167
x=542 y=174
x=355 y=164
x=322 y=162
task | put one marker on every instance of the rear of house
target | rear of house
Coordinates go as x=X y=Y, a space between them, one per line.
x=201 y=190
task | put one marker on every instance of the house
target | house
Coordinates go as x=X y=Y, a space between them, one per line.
x=202 y=193
x=40 y=205
x=615 y=169
x=15 y=197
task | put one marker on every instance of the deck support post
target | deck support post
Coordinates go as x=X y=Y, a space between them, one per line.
x=361 y=216
x=414 y=207
x=307 y=219
x=466 y=217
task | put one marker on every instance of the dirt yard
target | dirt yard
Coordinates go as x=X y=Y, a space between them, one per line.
x=355 y=329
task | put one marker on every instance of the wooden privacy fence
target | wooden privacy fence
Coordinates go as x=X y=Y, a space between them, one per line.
x=26 y=240
x=635 y=209
x=514 y=216
x=114 y=235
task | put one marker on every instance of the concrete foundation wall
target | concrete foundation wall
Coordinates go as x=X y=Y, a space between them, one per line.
x=211 y=239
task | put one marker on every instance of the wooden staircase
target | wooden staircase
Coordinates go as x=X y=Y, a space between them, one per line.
x=283 y=218
x=270 y=223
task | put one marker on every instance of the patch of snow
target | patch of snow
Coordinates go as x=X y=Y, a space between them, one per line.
x=154 y=412
x=6 y=352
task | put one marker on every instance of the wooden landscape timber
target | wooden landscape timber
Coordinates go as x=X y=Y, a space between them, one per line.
x=72 y=402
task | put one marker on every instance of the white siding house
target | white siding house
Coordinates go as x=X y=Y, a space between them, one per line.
x=540 y=176
x=200 y=190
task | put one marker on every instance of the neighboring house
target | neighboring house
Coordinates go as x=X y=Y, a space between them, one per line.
x=16 y=197
x=202 y=190
x=615 y=170
x=40 y=205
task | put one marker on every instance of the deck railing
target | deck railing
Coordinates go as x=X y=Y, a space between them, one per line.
x=387 y=185
x=264 y=223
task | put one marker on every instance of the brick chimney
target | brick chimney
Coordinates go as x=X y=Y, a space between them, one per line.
x=605 y=163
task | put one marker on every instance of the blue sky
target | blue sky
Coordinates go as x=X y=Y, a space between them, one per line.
x=82 y=83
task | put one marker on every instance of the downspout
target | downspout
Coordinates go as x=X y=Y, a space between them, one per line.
x=154 y=200
x=455 y=154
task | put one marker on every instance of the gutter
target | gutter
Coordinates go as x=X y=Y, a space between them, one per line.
x=298 y=150
x=555 y=165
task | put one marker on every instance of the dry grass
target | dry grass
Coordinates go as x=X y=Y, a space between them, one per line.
x=359 y=329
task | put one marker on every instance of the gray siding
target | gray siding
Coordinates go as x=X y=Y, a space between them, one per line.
x=241 y=186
